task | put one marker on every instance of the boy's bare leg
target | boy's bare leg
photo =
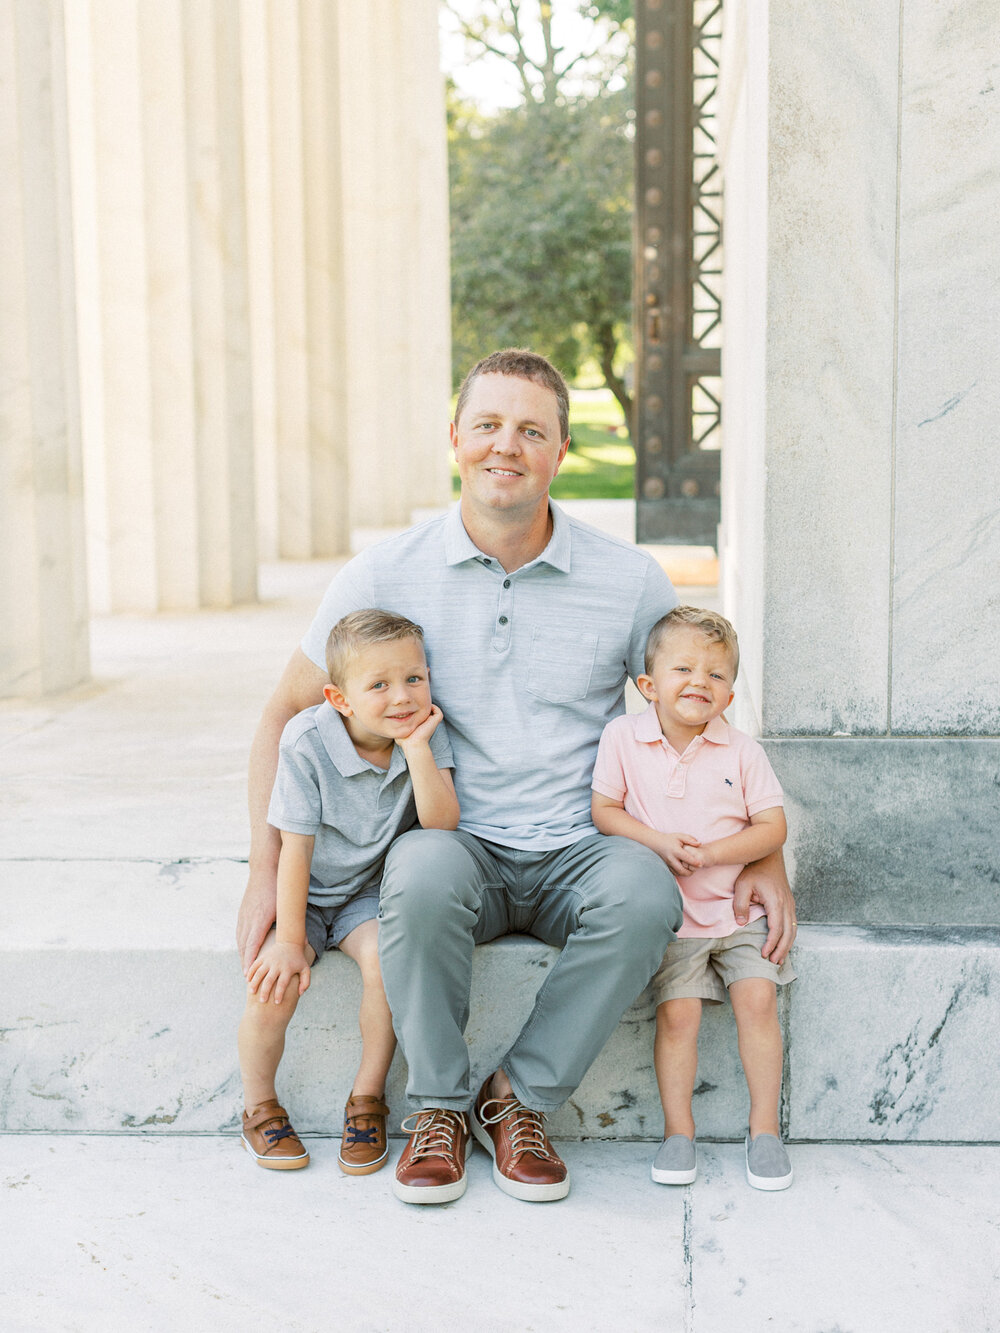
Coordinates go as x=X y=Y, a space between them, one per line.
x=378 y=1040
x=262 y=1038
x=755 y=1004
x=675 y=1058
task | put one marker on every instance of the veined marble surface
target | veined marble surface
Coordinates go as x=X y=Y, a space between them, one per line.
x=946 y=619
x=885 y=831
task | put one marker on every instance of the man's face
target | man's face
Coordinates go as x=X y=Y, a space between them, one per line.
x=507 y=444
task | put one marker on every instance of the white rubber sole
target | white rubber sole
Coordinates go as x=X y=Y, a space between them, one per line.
x=368 y=1169
x=516 y=1190
x=770 y=1183
x=430 y=1193
x=276 y=1163
x=433 y=1193
x=674 y=1177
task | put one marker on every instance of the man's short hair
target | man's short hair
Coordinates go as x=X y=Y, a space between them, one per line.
x=359 y=630
x=522 y=364
x=716 y=628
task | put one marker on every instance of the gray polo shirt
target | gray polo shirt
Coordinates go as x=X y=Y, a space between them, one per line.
x=352 y=808
x=527 y=667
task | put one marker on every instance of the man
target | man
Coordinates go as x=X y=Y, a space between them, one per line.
x=533 y=622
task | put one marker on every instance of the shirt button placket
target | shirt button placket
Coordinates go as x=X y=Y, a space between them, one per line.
x=505 y=612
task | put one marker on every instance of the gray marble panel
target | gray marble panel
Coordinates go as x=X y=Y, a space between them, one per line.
x=892 y=831
x=946 y=611
x=892 y=1035
x=831 y=252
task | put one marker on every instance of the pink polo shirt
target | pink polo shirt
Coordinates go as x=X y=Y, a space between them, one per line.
x=710 y=791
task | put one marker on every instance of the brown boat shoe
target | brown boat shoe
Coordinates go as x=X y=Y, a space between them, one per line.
x=269 y=1138
x=364 y=1147
x=431 y=1168
x=524 y=1164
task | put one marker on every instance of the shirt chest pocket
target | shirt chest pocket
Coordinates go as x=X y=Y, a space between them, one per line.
x=560 y=664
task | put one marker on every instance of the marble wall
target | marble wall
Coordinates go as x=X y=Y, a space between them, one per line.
x=869 y=564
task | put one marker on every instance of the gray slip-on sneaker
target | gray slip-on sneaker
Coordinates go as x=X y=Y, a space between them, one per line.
x=676 y=1162
x=768 y=1167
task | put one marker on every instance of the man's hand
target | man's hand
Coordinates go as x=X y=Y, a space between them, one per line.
x=422 y=732
x=765 y=882
x=258 y=911
x=272 y=973
x=678 y=850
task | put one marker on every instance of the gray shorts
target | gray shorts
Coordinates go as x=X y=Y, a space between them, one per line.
x=326 y=927
x=704 y=969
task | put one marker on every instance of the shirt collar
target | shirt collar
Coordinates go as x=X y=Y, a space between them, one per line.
x=459 y=546
x=647 y=728
x=340 y=747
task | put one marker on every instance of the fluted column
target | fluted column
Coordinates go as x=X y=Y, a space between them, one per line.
x=163 y=302
x=43 y=604
x=396 y=259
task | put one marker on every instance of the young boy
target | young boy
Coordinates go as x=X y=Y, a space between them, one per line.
x=704 y=797
x=352 y=774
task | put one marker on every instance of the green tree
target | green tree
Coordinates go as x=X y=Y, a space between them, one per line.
x=541 y=197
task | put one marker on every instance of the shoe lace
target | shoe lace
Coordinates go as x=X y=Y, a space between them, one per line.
x=355 y=1135
x=284 y=1131
x=525 y=1127
x=434 y=1133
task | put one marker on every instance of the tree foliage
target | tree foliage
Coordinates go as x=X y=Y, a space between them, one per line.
x=541 y=198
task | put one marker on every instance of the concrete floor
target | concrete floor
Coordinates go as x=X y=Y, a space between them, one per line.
x=187 y=1233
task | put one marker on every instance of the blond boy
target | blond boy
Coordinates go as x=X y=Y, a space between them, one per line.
x=701 y=794
x=353 y=773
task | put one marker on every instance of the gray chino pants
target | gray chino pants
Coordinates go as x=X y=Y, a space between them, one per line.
x=611 y=904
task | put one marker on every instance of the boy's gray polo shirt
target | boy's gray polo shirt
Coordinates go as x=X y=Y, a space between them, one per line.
x=527 y=667
x=353 y=809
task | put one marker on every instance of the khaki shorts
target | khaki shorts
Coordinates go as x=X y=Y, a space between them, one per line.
x=704 y=969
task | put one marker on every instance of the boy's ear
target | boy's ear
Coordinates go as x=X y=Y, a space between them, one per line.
x=646 y=687
x=335 y=698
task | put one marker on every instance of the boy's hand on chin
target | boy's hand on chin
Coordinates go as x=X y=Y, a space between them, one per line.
x=423 y=731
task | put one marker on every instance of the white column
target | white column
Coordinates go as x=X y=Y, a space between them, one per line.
x=396 y=265
x=303 y=294
x=160 y=234
x=43 y=605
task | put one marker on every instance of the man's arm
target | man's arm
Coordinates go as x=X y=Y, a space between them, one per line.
x=765 y=882
x=301 y=686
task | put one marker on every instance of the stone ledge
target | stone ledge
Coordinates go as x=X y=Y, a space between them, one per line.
x=883 y=1030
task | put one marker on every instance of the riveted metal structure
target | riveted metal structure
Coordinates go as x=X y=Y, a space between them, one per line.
x=678 y=263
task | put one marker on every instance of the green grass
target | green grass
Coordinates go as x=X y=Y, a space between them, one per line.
x=600 y=465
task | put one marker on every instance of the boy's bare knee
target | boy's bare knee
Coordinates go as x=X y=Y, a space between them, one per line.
x=754 y=1000
x=675 y=1018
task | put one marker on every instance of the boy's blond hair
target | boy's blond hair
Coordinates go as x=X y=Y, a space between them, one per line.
x=716 y=628
x=361 y=629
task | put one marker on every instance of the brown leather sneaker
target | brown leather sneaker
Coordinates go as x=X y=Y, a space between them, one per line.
x=524 y=1164
x=269 y=1138
x=363 y=1148
x=432 y=1166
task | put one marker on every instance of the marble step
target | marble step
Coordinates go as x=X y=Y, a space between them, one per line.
x=124 y=996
